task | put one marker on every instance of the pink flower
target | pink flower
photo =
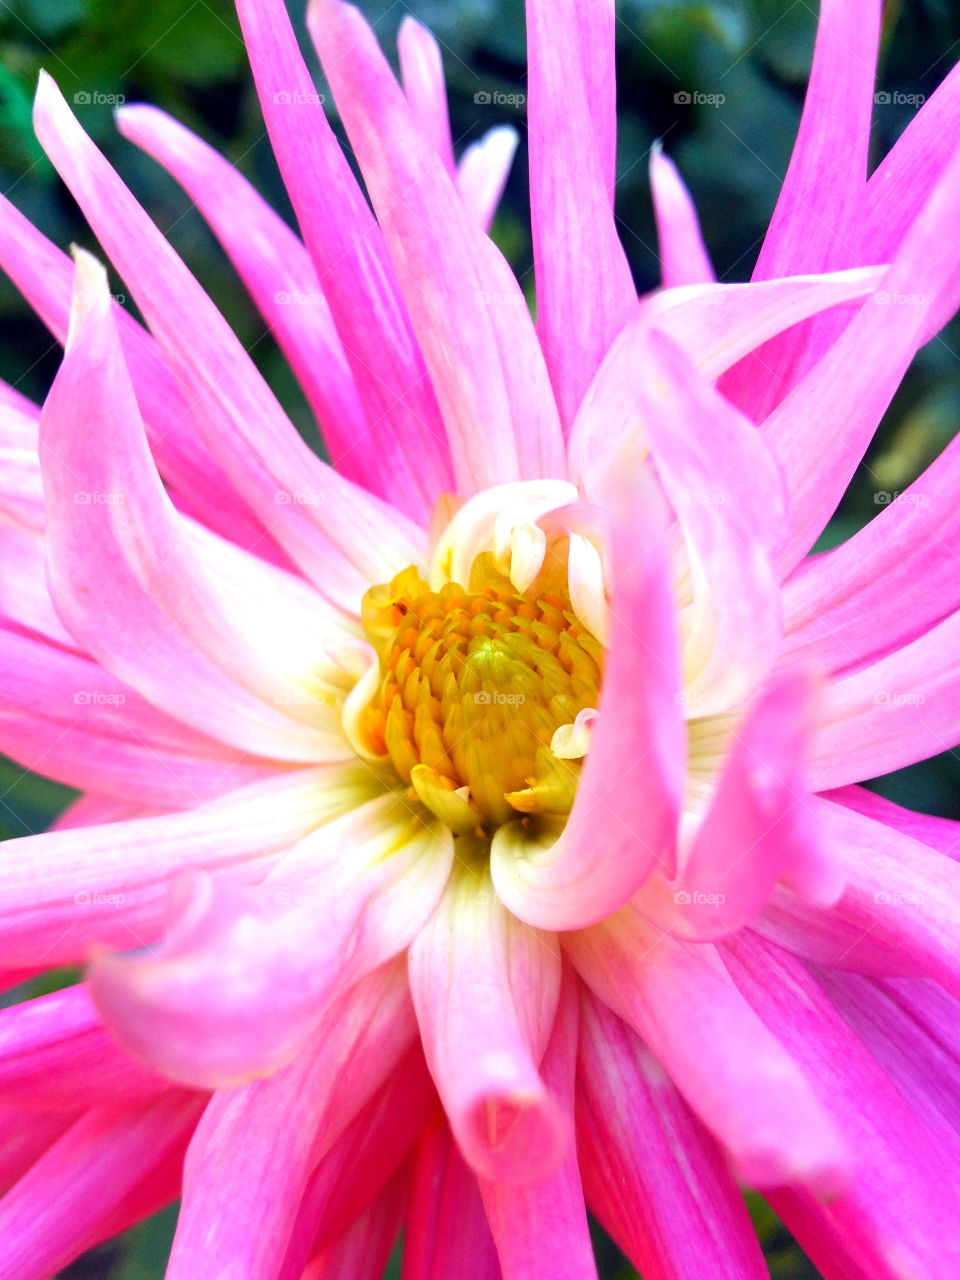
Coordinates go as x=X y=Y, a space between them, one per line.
x=500 y=851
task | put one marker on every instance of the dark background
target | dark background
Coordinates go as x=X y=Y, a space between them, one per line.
x=187 y=56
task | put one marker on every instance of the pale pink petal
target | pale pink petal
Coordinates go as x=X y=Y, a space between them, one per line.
x=467 y=309
x=892 y=713
x=44 y=275
x=887 y=584
x=446 y=1236
x=577 y=252
x=283 y=282
x=95 y=810
x=67 y=717
x=66 y=892
x=244 y=974
x=483 y=172
x=21 y=489
x=654 y=1177
x=374 y=1147
x=821 y=429
x=253 y=1152
x=898 y=1216
x=540 y=1228
x=59 y=1207
x=942 y=834
x=485 y=990
x=136 y=591
x=421 y=69
x=342 y=538
x=624 y=821
x=24 y=596
x=354 y=269
x=683 y=255
x=759 y=829
x=736 y=1075
x=899 y=912
x=817 y=220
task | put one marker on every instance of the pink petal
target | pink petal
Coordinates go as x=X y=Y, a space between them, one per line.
x=540 y=1228
x=421 y=68
x=485 y=990
x=632 y=782
x=60 y=1206
x=942 y=834
x=899 y=911
x=446 y=1236
x=66 y=892
x=895 y=1220
x=577 y=253
x=342 y=538
x=466 y=307
x=821 y=429
x=654 y=1177
x=891 y=713
x=741 y=1081
x=683 y=255
x=244 y=975
x=44 y=276
x=365 y=1248
x=22 y=1145
x=817 y=220
x=885 y=586
x=134 y=589
x=55 y=1053
x=283 y=282
x=24 y=595
x=348 y=251
x=68 y=717
x=483 y=172
x=253 y=1152
x=759 y=828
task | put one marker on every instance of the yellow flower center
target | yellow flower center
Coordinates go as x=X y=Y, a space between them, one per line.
x=474 y=684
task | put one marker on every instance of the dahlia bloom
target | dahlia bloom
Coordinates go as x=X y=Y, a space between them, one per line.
x=471 y=830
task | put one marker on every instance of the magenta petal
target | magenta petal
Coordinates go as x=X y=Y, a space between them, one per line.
x=421 y=67
x=683 y=255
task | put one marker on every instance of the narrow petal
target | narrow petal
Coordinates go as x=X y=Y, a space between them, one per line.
x=885 y=586
x=624 y=820
x=365 y=1248
x=446 y=1236
x=342 y=538
x=821 y=429
x=742 y=1082
x=577 y=253
x=66 y=892
x=683 y=255
x=421 y=67
x=483 y=172
x=282 y=281
x=254 y=1150
x=817 y=221
x=899 y=912
x=59 y=1208
x=760 y=826
x=244 y=975
x=350 y=257
x=892 y=713
x=540 y=1228
x=895 y=1218
x=55 y=1053
x=467 y=309
x=67 y=717
x=22 y=1145
x=654 y=1176
x=485 y=989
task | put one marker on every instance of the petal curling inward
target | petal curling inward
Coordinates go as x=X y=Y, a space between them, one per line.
x=245 y=974
x=572 y=137
x=736 y=1075
x=342 y=538
x=759 y=828
x=466 y=307
x=624 y=819
x=485 y=988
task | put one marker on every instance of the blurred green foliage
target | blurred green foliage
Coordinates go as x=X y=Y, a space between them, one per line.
x=187 y=56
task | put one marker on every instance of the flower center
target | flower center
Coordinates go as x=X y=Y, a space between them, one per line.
x=474 y=685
